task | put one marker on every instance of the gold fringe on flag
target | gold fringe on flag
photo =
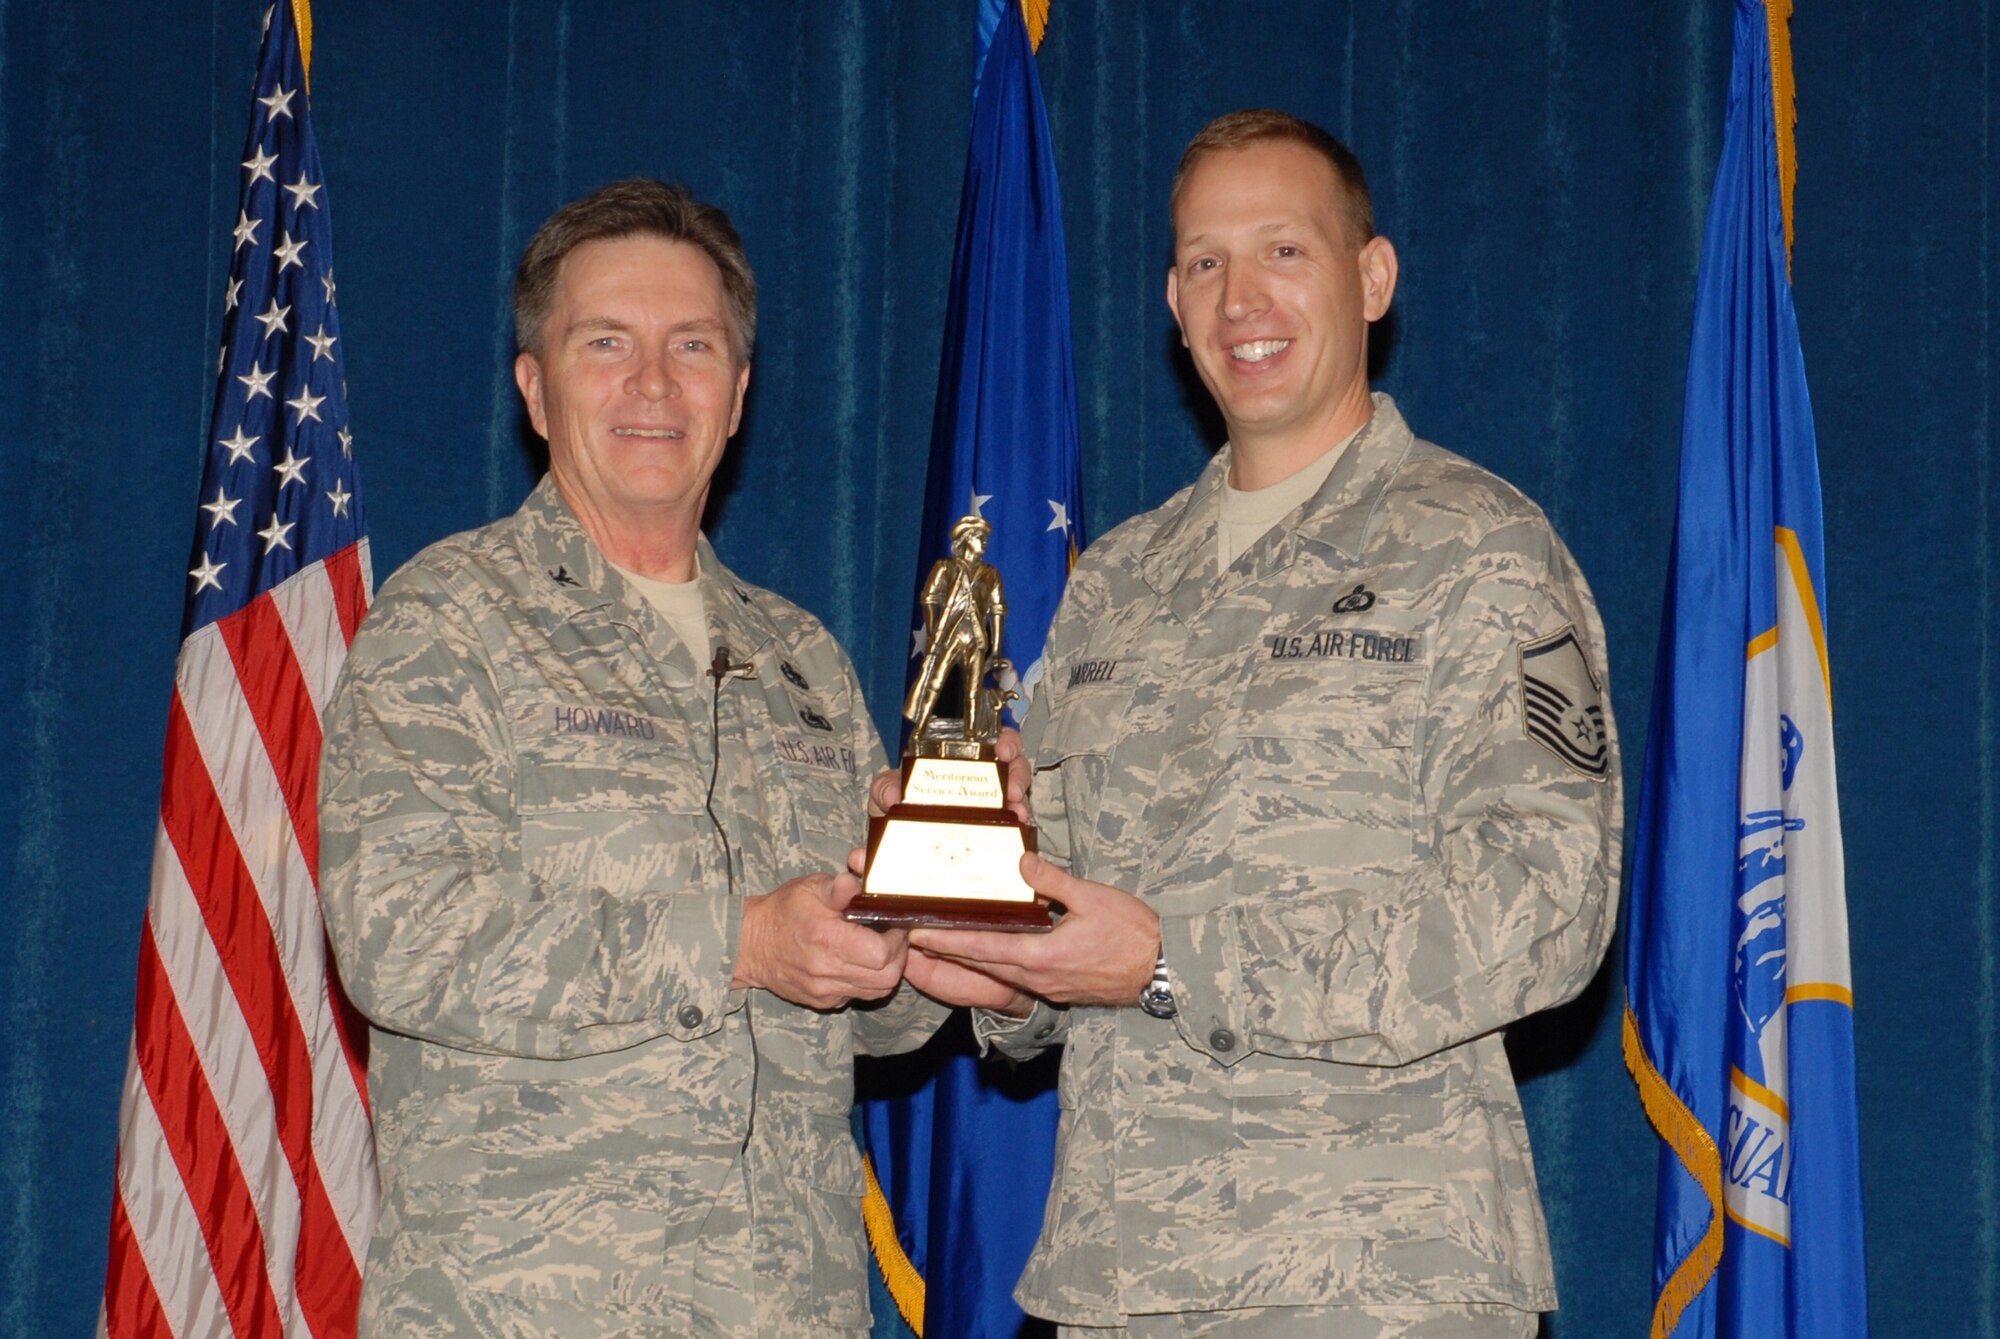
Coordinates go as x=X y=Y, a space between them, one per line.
x=1703 y=1161
x=302 y=18
x=1784 y=110
x=1036 y=12
x=906 y=1285
x=1675 y=1124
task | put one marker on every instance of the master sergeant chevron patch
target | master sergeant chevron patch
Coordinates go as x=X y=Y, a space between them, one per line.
x=1562 y=708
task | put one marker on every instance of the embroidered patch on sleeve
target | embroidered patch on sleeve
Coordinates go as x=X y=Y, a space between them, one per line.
x=1562 y=708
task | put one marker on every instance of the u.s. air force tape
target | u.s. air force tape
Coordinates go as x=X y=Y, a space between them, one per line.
x=1562 y=708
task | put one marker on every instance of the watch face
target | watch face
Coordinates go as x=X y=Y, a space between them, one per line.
x=1158 y=1001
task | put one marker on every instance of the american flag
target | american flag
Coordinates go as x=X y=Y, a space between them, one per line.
x=246 y=1179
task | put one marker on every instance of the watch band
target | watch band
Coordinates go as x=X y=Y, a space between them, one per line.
x=1157 y=998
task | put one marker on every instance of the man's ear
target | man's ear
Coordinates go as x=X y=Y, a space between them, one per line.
x=1174 y=299
x=528 y=376
x=1377 y=262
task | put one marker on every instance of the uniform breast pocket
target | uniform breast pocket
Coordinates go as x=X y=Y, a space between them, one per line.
x=826 y=788
x=621 y=814
x=1078 y=747
x=1327 y=747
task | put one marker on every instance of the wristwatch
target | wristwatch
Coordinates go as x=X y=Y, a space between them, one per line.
x=1157 y=998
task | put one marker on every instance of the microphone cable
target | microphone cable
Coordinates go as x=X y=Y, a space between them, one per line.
x=721 y=667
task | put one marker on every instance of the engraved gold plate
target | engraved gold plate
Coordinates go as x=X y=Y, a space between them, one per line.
x=916 y=858
x=957 y=783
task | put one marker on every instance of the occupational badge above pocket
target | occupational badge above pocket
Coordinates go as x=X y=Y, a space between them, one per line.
x=1562 y=706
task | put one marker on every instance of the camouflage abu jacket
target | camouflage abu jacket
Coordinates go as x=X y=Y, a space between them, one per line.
x=1368 y=778
x=581 y=1129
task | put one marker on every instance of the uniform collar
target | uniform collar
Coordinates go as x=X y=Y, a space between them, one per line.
x=569 y=570
x=1333 y=522
x=736 y=619
x=572 y=577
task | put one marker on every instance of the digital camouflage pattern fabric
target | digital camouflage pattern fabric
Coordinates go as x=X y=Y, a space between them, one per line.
x=1317 y=768
x=1437 y=1320
x=582 y=1129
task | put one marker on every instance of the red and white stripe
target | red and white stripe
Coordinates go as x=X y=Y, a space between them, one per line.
x=246 y=1176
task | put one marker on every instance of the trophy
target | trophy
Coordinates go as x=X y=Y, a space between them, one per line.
x=949 y=854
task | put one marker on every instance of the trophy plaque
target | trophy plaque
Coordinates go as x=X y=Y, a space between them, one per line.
x=949 y=853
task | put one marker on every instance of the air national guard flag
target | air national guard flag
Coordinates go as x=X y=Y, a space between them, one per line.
x=245 y=1190
x=1739 y=1025
x=961 y=1151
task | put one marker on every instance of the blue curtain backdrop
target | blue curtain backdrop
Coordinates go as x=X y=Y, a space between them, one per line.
x=1543 y=167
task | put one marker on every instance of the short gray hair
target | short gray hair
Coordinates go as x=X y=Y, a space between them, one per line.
x=635 y=207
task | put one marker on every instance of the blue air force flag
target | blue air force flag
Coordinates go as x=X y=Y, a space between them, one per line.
x=960 y=1153
x=1739 y=1023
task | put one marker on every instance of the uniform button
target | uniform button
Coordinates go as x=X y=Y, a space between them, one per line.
x=1045 y=1031
x=689 y=1016
x=1222 y=1039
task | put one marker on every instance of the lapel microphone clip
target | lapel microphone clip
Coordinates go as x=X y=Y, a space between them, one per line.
x=722 y=667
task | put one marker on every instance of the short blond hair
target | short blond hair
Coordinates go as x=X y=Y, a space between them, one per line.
x=1256 y=125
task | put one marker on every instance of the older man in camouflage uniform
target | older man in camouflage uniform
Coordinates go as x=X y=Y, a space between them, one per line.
x=1333 y=721
x=583 y=791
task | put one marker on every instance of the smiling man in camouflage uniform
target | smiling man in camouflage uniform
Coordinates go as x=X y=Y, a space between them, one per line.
x=1326 y=752
x=584 y=791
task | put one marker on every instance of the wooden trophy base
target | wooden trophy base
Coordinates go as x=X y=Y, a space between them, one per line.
x=948 y=866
